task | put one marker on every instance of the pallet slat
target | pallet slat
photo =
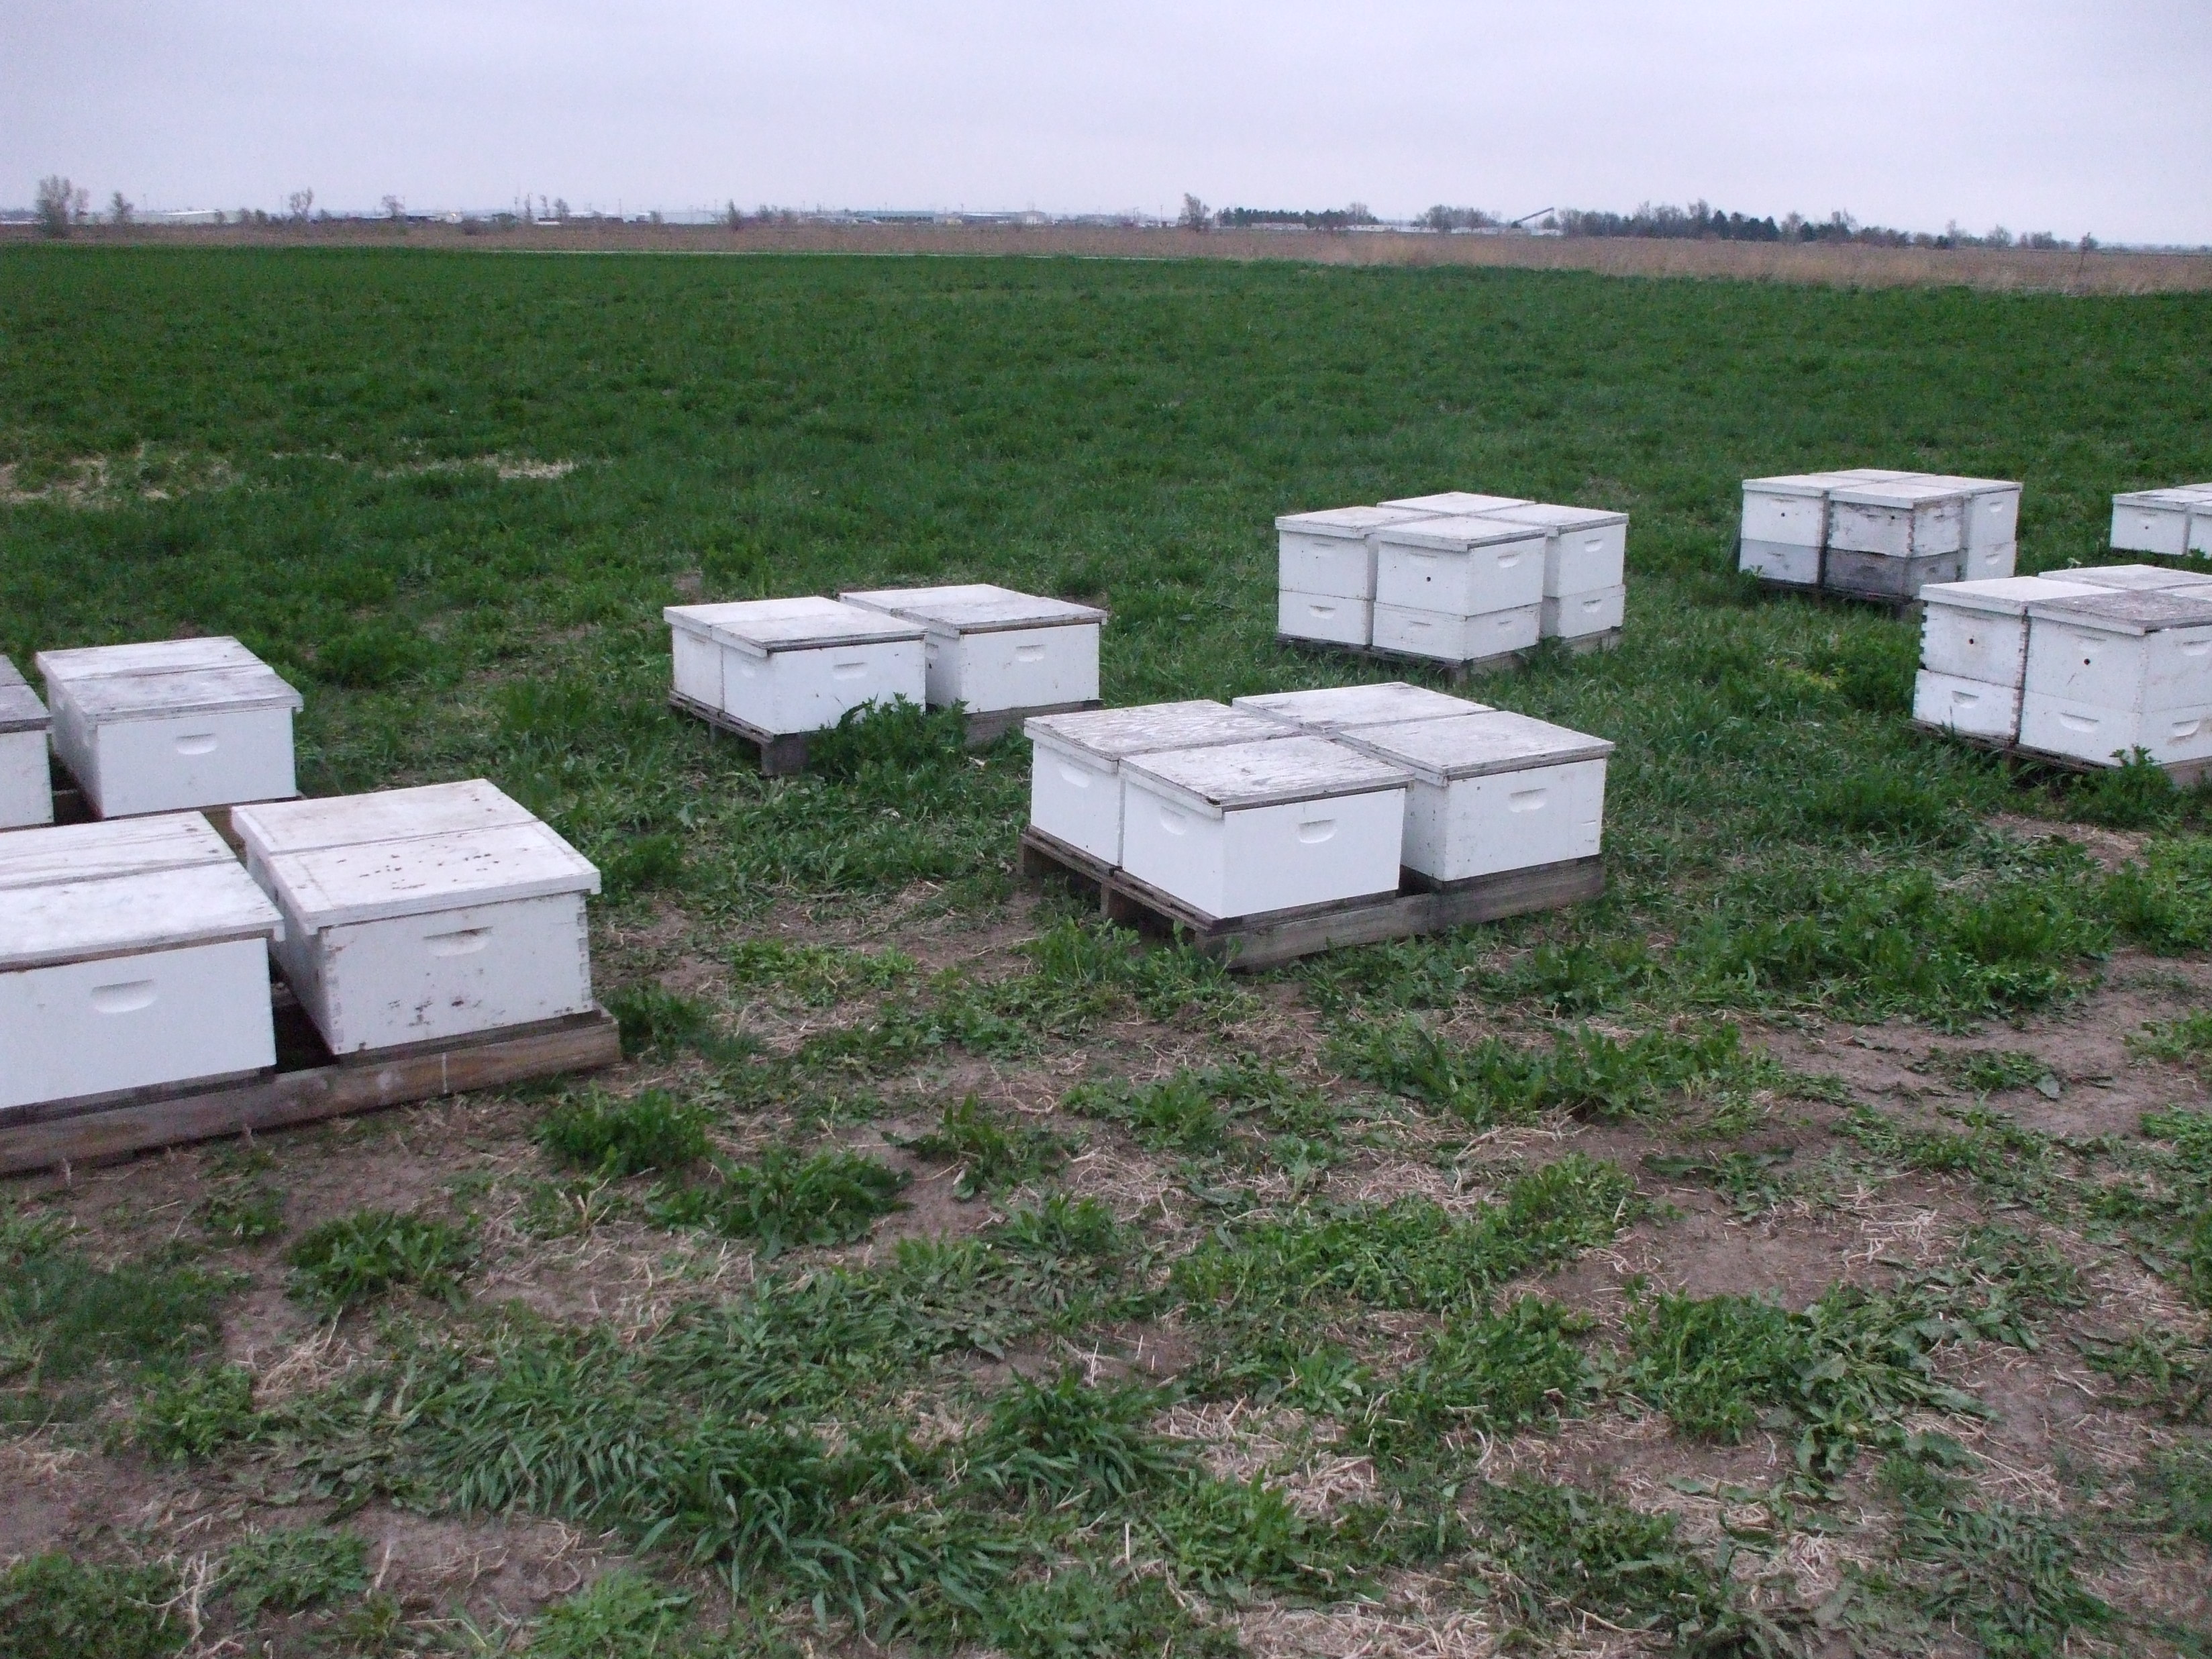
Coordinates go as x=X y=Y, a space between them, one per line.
x=1456 y=673
x=780 y=756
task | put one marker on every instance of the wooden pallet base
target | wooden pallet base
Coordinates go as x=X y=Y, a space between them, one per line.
x=2185 y=774
x=1280 y=936
x=782 y=754
x=986 y=729
x=307 y=1086
x=1888 y=603
x=1455 y=673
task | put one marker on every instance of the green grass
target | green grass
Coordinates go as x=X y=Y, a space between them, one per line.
x=364 y=1256
x=992 y=1153
x=611 y=1137
x=287 y=1570
x=53 y=1607
x=785 y=1200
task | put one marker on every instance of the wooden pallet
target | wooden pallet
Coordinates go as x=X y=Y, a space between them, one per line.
x=1887 y=603
x=1278 y=936
x=306 y=1086
x=2186 y=775
x=782 y=754
x=1455 y=673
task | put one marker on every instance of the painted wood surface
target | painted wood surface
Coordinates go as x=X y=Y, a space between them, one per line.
x=768 y=626
x=1474 y=745
x=1234 y=777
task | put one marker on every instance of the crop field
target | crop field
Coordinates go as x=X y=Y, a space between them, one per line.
x=1805 y=1249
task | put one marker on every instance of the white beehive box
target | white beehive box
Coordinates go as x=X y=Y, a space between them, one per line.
x=2156 y=520
x=1905 y=517
x=2110 y=672
x=133 y=954
x=419 y=914
x=1331 y=554
x=26 y=795
x=1461 y=567
x=1075 y=765
x=2137 y=577
x=1578 y=616
x=1454 y=503
x=1977 y=630
x=1326 y=618
x=1493 y=792
x=1251 y=828
x=171 y=725
x=990 y=649
x=1785 y=522
x=1585 y=548
x=1448 y=636
x=783 y=666
x=1333 y=708
x=1972 y=708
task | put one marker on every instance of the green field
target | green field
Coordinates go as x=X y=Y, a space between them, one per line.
x=1391 y=1292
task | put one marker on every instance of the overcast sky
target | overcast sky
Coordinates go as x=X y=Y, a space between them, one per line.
x=2063 y=115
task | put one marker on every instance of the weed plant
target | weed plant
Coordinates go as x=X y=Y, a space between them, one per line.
x=612 y=1138
x=785 y=1199
x=195 y=1414
x=359 y=1257
x=289 y=1569
x=2174 y=1490
x=992 y=1153
x=55 y=1607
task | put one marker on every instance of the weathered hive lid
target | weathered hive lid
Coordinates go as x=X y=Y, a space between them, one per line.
x=973 y=608
x=2135 y=578
x=148 y=657
x=1335 y=707
x=1456 y=503
x=1112 y=733
x=20 y=707
x=2122 y=611
x=433 y=809
x=2007 y=596
x=184 y=691
x=1559 y=518
x=1349 y=523
x=417 y=875
x=764 y=627
x=79 y=891
x=1238 y=776
x=1804 y=483
x=1869 y=474
x=1908 y=491
x=1473 y=745
x=1969 y=486
x=1457 y=533
x=2177 y=496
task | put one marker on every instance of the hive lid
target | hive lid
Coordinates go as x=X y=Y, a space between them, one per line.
x=1457 y=532
x=1352 y=523
x=2176 y=495
x=1456 y=503
x=20 y=707
x=1871 y=475
x=1474 y=745
x=2006 y=596
x=80 y=891
x=973 y=608
x=764 y=627
x=434 y=809
x=2123 y=610
x=1969 y=486
x=2137 y=577
x=150 y=657
x=1111 y=734
x=184 y=691
x=376 y=881
x=1814 y=484
x=1237 y=776
x=1895 y=492
x=1559 y=518
x=1333 y=708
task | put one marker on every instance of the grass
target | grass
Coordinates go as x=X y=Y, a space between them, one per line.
x=370 y=1253
x=992 y=1153
x=53 y=1607
x=785 y=1200
x=613 y=1138
x=288 y=1569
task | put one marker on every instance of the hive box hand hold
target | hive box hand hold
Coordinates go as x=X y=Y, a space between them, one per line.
x=26 y=795
x=133 y=954
x=1075 y=763
x=1493 y=790
x=1585 y=548
x=989 y=649
x=422 y=913
x=2112 y=672
x=787 y=667
x=171 y=725
x=1333 y=708
x=1460 y=566
x=1250 y=828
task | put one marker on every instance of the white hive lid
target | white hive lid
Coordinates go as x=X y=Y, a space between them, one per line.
x=80 y=891
x=1799 y=483
x=1349 y=523
x=1457 y=532
x=1969 y=486
x=1869 y=474
x=1111 y=734
x=20 y=707
x=417 y=875
x=434 y=809
x=1456 y=503
x=1896 y=492
x=1335 y=707
x=181 y=691
x=764 y=627
x=973 y=608
x=2007 y=596
x=2122 y=611
x=2135 y=578
x=1559 y=518
x=2182 y=495
x=1237 y=776
x=94 y=662
x=1473 y=745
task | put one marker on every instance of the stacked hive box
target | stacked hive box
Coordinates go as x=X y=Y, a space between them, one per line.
x=26 y=795
x=418 y=914
x=781 y=667
x=1973 y=652
x=1075 y=768
x=133 y=954
x=1458 y=589
x=166 y=727
x=2118 y=672
x=2173 y=523
x=1325 y=572
x=1878 y=534
x=1585 y=567
x=990 y=649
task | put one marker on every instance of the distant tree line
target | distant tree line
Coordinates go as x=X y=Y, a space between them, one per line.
x=1343 y=218
x=1700 y=221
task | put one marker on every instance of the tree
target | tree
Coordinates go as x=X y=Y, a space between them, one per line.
x=732 y=216
x=561 y=209
x=56 y=195
x=394 y=208
x=297 y=203
x=1196 y=216
x=119 y=208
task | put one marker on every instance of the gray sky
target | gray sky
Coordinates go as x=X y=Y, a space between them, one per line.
x=2064 y=115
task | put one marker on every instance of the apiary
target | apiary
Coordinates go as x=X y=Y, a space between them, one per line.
x=1247 y=829
x=2108 y=673
x=1493 y=790
x=782 y=666
x=1456 y=503
x=2170 y=523
x=26 y=795
x=1585 y=548
x=171 y=724
x=989 y=649
x=1335 y=709
x=416 y=914
x=1448 y=636
x=133 y=954
x=1075 y=764
x=1459 y=567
